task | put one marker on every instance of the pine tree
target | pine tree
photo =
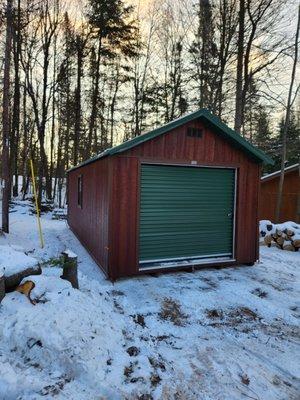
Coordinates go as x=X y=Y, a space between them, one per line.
x=293 y=139
x=113 y=33
x=293 y=142
x=262 y=136
x=66 y=96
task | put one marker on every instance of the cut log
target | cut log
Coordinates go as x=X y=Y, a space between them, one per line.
x=290 y=233
x=70 y=272
x=268 y=240
x=274 y=236
x=296 y=243
x=288 y=247
x=2 y=286
x=12 y=281
x=280 y=240
x=26 y=289
x=279 y=232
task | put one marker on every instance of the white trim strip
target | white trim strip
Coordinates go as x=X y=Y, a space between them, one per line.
x=186 y=258
x=277 y=173
x=188 y=264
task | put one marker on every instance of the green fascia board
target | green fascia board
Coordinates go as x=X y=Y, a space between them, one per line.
x=212 y=120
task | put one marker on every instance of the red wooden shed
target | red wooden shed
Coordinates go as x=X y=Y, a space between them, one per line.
x=290 y=208
x=180 y=196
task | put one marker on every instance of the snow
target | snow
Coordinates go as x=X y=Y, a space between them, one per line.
x=218 y=334
x=69 y=253
x=14 y=260
x=269 y=227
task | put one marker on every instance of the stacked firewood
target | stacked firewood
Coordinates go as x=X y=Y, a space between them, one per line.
x=285 y=236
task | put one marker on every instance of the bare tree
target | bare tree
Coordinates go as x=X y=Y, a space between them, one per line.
x=141 y=71
x=239 y=70
x=15 y=128
x=258 y=48
x=5 y=120
x=226 y=25
x=42 y=38
x=286 y=124
x=80 y=43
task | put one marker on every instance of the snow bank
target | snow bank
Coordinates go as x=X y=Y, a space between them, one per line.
x=64 y=334
x=13 y=261
x=121 y=341
x=267 y=227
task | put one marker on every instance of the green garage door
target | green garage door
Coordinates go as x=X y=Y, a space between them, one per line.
x=185 y=212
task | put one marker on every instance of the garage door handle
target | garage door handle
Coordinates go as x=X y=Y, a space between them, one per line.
x=229 y=214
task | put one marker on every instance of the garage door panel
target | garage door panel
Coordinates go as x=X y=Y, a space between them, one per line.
x=185 y=212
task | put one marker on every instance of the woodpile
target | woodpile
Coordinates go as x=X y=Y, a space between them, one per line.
x=286 y=239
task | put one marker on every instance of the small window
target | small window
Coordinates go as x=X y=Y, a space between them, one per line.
x=79 y=191
x=194 y=132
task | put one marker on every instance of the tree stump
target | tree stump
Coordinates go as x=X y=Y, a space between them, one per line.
x=70 y=268
x=2 y=286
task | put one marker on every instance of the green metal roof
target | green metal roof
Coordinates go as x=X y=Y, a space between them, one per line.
x=211 y=120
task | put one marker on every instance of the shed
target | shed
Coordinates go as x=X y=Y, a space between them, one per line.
x=181 y=196
x=290 y=209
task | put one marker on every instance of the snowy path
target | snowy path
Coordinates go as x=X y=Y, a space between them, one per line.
x=213 y=334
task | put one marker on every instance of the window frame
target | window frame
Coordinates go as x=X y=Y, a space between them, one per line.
x=79 y=191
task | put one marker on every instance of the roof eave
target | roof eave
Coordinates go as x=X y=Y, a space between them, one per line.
x=236 y=139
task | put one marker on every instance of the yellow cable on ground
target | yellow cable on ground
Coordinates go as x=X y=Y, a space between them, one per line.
x=36 y=205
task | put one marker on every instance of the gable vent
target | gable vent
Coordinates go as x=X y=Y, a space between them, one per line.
x=194 y=132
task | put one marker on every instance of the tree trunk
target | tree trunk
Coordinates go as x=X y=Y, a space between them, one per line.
x=298 y=200
x=25 y=145
x=16 y=107
x=5 y=120
x=286 y=125
x=95 y=96
x=2 y=286
x=70 y=268
x=239 y=70
x=51 y=171
x=77 y=124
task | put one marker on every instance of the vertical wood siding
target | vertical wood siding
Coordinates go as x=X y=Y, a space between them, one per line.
x=123 y=216
x=90 y=223
x=291 y=192
x=176 y=147
x=111 y=196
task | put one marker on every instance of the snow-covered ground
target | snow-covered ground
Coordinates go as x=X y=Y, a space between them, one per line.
x=229 y=333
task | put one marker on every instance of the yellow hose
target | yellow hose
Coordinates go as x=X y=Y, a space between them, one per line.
x=36 y=205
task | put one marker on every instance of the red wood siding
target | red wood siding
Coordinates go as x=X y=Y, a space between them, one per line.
x=291 y=193
x=90 y=223
x=177 y=147
x=123 y=217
